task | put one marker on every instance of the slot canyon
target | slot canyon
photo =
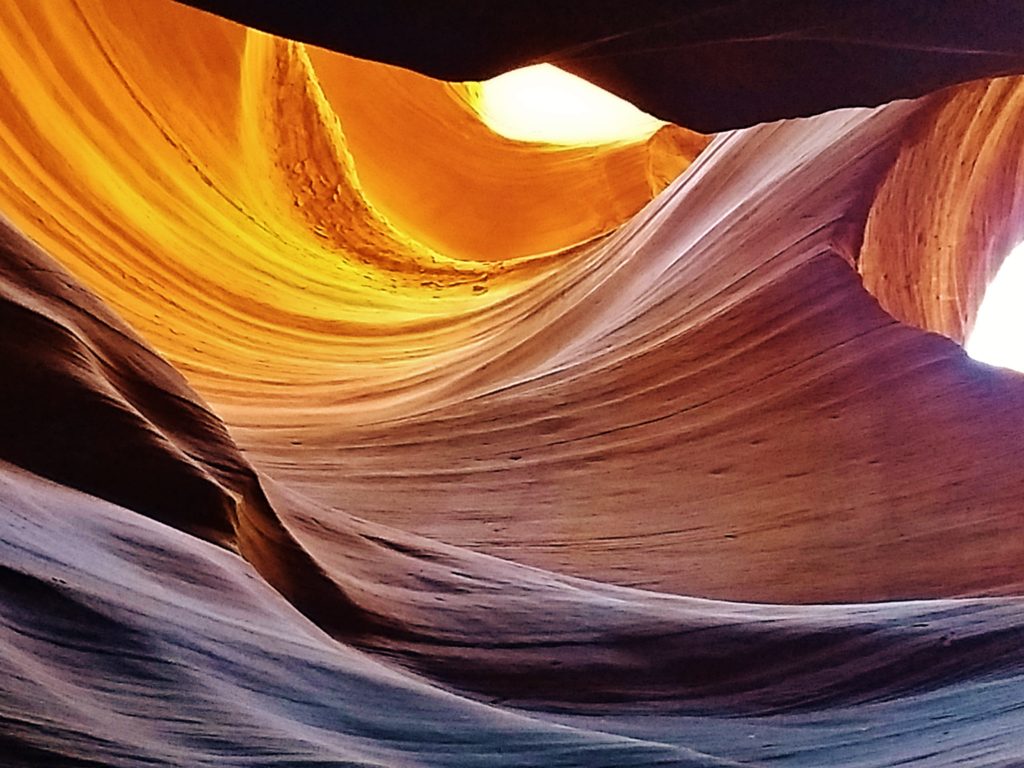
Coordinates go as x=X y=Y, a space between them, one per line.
x=340 y=428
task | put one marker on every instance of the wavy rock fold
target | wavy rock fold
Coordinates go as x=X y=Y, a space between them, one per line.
x=339 y=430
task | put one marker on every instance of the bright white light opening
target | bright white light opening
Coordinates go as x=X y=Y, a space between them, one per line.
x=998 y=335
x=546 y=104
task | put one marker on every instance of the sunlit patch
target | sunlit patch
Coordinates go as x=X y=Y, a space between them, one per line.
x=998 y=335
x=545 y=104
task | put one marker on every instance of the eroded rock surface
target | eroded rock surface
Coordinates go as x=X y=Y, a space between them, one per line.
x=338 y=429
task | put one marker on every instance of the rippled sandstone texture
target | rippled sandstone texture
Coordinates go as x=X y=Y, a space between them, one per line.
x=338 y=430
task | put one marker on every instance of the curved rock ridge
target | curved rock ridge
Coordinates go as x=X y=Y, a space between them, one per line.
x=142 y=645
x=88 y=405
x=701 y=379
x=165 y=198
x=338 y=430
x=110 y=583
x=950 y=210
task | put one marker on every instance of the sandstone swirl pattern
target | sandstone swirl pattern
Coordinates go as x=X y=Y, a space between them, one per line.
x=337 y=430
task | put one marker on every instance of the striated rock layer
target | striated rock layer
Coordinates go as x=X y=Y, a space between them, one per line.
x=338 y=430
